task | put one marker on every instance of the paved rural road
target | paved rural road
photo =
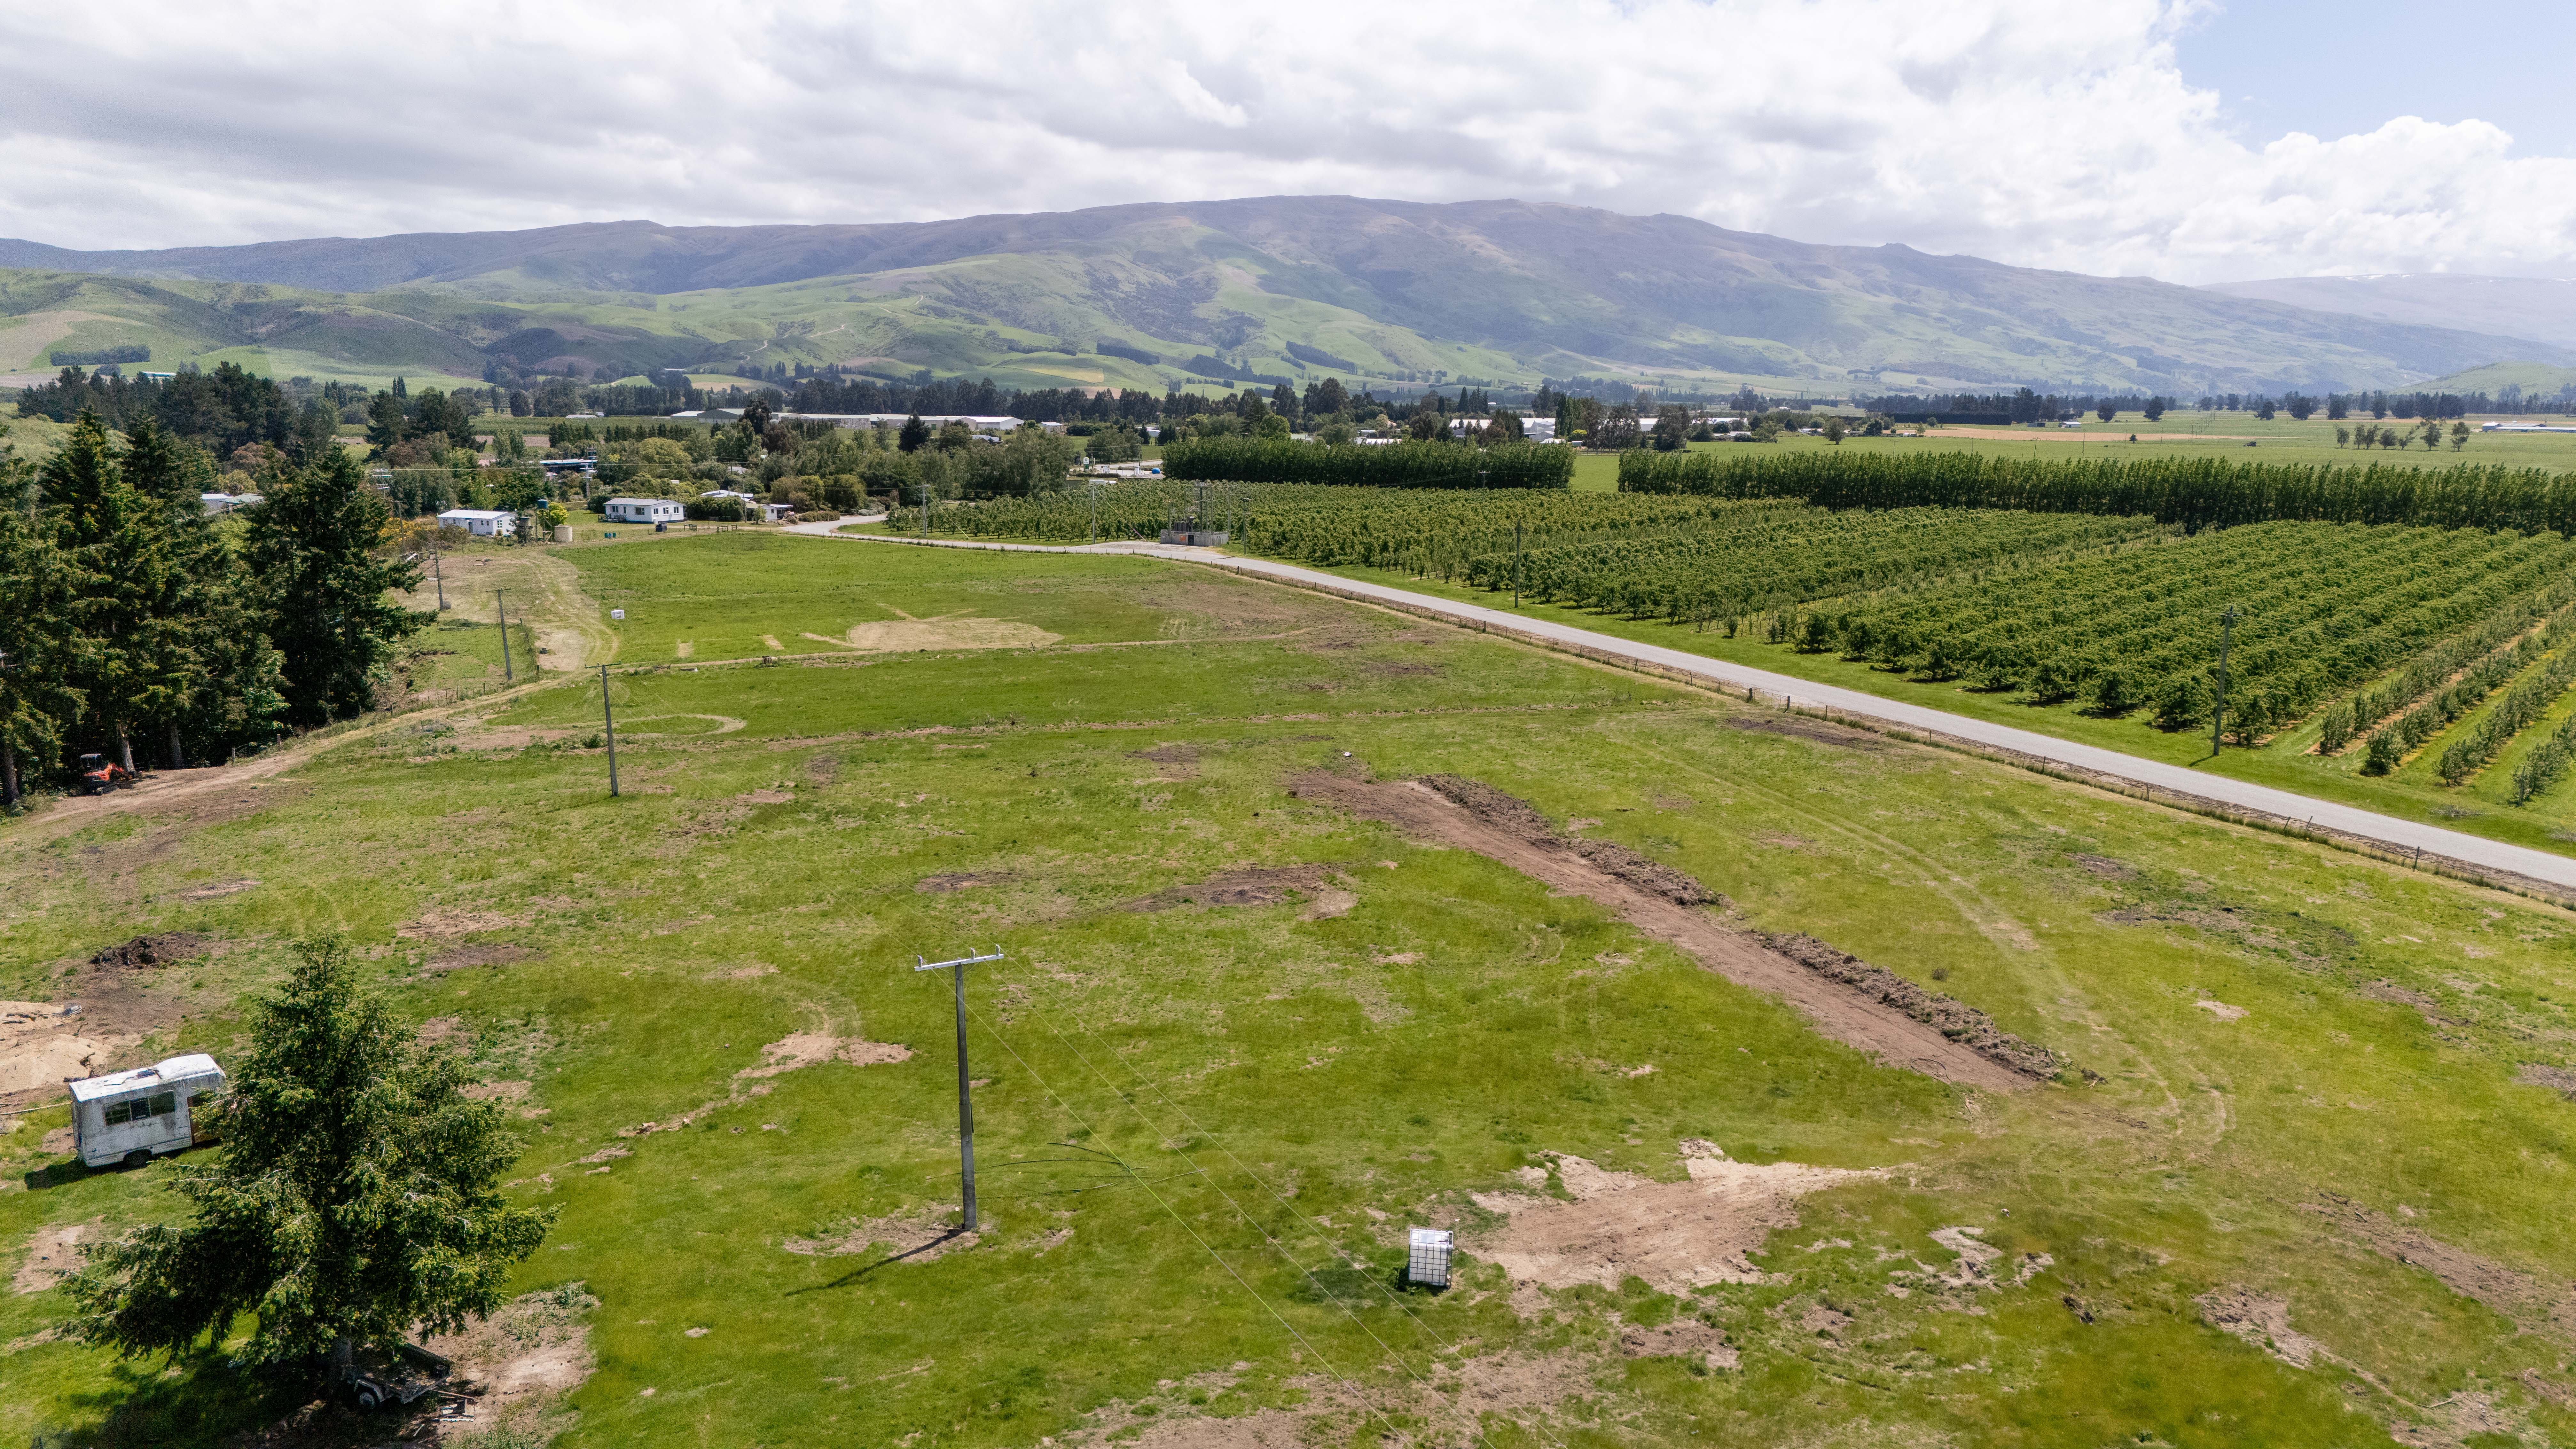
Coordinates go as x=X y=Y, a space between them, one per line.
x=2396 y=834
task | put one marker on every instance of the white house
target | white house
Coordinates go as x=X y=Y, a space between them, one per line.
x=482 y=522
x=226 y=502
x=133 y=1116
x=730 y=493
x=641 y=510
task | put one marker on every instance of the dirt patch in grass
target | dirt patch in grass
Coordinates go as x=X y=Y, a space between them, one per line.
x=2217 y=920
x=915 y=1237
x=2262 y=1320
x=2106 y=867
x=904 y=636
x=2556 y=1079
x=811 y=1048
x=1682 y=1338
x=458 y=958
x=1676 y=1236
x=2535 y=1305
x=522 y=1361
x=1839 y=1011
x=964 y=880
x=1955 y=1020
x=162 y=950
x=1506 y=812
x=55 y=1252
x=1799 y=727
x=1171 y=762
x=766 y=797
x=220 y=888
x=44 y=1043
x=1276 y=885
x=790 y=1053
x=455 y=921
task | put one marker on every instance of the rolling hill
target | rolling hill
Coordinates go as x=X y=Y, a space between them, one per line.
x=1158 y=295
x=2541 y=310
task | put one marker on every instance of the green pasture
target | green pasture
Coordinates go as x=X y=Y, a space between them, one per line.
x=1203 y=1128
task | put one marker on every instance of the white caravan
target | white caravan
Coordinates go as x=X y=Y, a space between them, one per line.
x=130 y=1117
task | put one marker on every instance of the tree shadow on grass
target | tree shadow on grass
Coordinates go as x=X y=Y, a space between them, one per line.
x=204 y=1398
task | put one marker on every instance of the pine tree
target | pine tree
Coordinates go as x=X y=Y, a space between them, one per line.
x=311 y=547
x=131 y=665
x=39 y=634
x=356 y=1198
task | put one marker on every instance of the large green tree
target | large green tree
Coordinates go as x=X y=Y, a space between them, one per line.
x=231 y=692
x=356 y=1197
x=39 y=633
x=313 y=546
x=133 y=665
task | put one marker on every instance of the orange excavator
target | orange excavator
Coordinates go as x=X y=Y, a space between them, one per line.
x=99 y=774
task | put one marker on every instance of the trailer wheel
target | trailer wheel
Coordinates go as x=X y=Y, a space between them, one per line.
x=367 y=1400
x=139 y=1157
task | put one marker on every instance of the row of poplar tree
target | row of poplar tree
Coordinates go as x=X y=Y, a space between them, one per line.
x=133 y=624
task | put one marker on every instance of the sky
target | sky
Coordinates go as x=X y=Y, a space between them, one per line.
x=2191 y=140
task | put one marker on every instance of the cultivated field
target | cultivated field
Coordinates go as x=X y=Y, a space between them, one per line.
x=2418 y=670
x=2232 y=1139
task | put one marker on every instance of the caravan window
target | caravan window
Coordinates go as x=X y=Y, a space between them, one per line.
x=139 y=1109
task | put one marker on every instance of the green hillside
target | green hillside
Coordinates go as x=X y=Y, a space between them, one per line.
x=2534 y=378
x=1216 y=292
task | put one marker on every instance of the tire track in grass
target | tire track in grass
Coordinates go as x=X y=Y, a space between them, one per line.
x=1956 y=892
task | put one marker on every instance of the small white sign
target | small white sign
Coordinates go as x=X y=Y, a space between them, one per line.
x=618 y=614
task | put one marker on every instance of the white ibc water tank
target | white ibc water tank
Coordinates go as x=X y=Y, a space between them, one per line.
x=1428 y=1262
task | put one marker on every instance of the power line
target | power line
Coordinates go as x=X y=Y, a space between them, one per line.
x=1283 y=1253
x=1157 y=1089
x=1176 y=1217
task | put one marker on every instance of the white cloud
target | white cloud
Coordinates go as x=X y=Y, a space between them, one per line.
x=2012 y=129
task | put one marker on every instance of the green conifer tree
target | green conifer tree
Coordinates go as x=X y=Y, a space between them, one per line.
x=132 y=665
x=356 y=1198
x=311 y=546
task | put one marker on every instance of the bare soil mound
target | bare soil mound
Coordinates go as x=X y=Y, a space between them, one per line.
x=1961 y=1023
x=1676 y=1236
x=1276 y=885
x=1840 y=1011
x=160 y=950
x=1507 y=812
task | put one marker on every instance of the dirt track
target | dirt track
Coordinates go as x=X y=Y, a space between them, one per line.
x=1839 y=1013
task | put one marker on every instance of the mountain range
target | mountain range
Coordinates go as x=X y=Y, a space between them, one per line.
x=1158 y=295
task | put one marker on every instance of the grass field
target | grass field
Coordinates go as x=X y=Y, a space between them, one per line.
x=1204 y=1119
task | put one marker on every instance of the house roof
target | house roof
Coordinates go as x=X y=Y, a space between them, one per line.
x=481 y=513
x=613 y=502
x=195 y=1064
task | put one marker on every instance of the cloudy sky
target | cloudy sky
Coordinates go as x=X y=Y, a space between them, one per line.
x=2193 y=141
